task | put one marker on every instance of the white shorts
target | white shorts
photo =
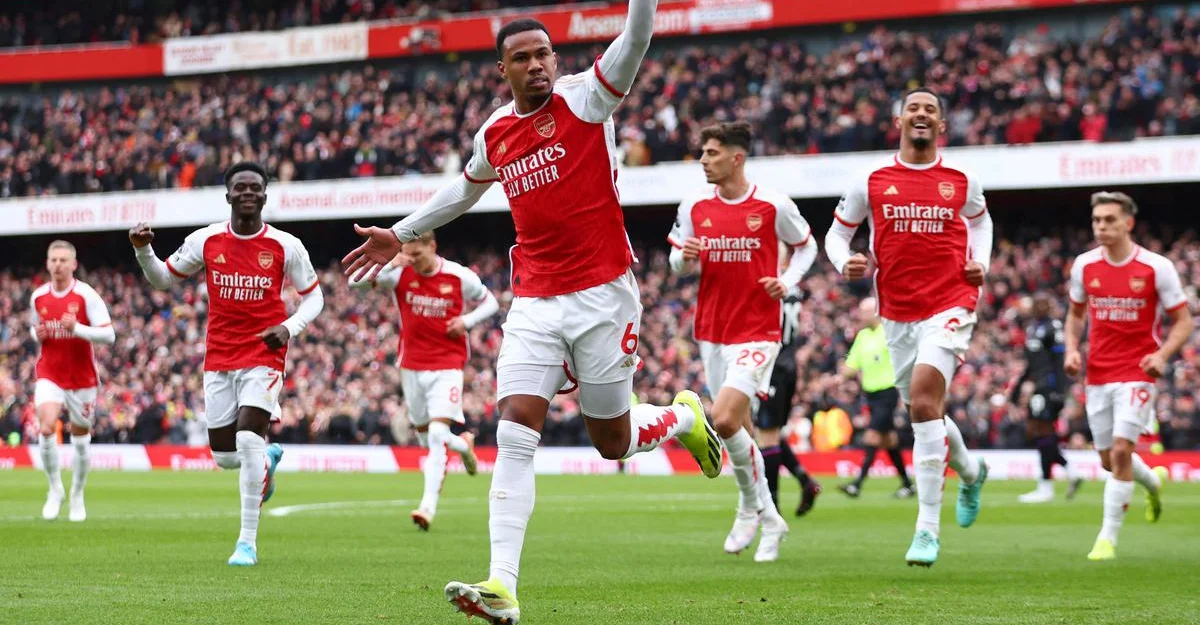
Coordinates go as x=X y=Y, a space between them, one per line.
x=594 y=330
x=1119 y=410
x=940 y=341
x=744 y=367
x=80 y=402
x=226 y=391
x=433 y=395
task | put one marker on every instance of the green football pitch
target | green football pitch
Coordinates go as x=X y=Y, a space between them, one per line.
x=339 y=548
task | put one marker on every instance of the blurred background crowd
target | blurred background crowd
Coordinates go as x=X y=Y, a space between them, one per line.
x=1004 y=83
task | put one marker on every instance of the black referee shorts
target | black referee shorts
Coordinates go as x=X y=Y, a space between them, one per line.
x=883 y=409
x=773 y=411
x=1045 y=405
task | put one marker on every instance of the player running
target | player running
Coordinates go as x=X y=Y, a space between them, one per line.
x=869 y=358
x=773 y=411
x=1044 y=353
x=67 y=317
x=247 y=262
x=731 y=235
x=931 y=242
x=1125 y=290
x=552 y=149
x=432 y=294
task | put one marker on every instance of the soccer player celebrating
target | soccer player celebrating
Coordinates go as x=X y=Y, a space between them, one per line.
x=1044 y=353
x=731 y=234
x=773 y=411
x=245 y=263
x=67 y=317
x=432 y=293
x=869 y=357
x=931 y=241
x=552 y=149
x=1124 y=289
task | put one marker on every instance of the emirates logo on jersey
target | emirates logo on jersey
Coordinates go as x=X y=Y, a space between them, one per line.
x=266 y=259
x=1137 y=284
x=946 y=189
x=445 y=289
x=754 y=222
x=544 y=125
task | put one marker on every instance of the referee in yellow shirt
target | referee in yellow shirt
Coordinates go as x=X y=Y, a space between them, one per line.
x=869 y=357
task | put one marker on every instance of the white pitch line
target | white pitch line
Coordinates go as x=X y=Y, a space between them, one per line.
x=387 y=503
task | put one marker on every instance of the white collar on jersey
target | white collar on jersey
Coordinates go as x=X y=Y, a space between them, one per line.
x=749 y=194
x=436 y=270
x=64 y=292
x=541 y=106
x=1132 y=255
x=245 y=237
x=920 y=166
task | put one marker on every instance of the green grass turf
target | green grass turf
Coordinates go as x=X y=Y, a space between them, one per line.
x=614 y=549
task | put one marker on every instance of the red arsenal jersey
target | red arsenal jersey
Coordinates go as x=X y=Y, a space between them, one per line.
x=741 y=241
x=918 y=217
x=426 y=303
x=1125 y=302
x=66 y=359
x=558 y=168
x=244 y=276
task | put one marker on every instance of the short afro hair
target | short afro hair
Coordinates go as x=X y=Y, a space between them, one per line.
x=245 y=166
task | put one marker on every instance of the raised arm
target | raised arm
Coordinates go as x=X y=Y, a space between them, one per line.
x=620 y=62
x=187 y=260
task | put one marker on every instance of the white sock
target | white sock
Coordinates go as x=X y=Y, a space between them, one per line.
x=1117 y=495
x=1144 y=475
x=455 y=443
x=80 y=465
x=747 y=470
x=252 y=482
x=227 y=459
x=435 y=466
x=930 y=448
x=1069 y=470
x=510 y=502
x=960 y=459
x=49 y=449
x=654 y=425
x=1045 y=486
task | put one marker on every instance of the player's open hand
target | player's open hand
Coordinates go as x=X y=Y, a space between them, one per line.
x=1154 y=365
x=774 y=287
x=855 y=268
x=974 y=272
x=368 y=259
x=456 y=328
x=141 y=235
x=68 y=322
x=42 y=331
x=400 y=261
x=1072 y=363
x=692 y=247
x=275 y=336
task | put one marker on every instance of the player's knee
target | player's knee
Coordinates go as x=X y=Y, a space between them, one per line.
x=925 y=407
x=726 y=423
x=611 y=449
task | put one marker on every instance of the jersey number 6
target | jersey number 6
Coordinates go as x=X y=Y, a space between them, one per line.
x=629 y=342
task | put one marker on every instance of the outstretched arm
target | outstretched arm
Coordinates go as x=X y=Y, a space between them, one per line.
x=448 y=204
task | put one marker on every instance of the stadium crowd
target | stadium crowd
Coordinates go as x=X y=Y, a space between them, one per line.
x=148 y=21
x=343 y=385
x=1136 y=78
